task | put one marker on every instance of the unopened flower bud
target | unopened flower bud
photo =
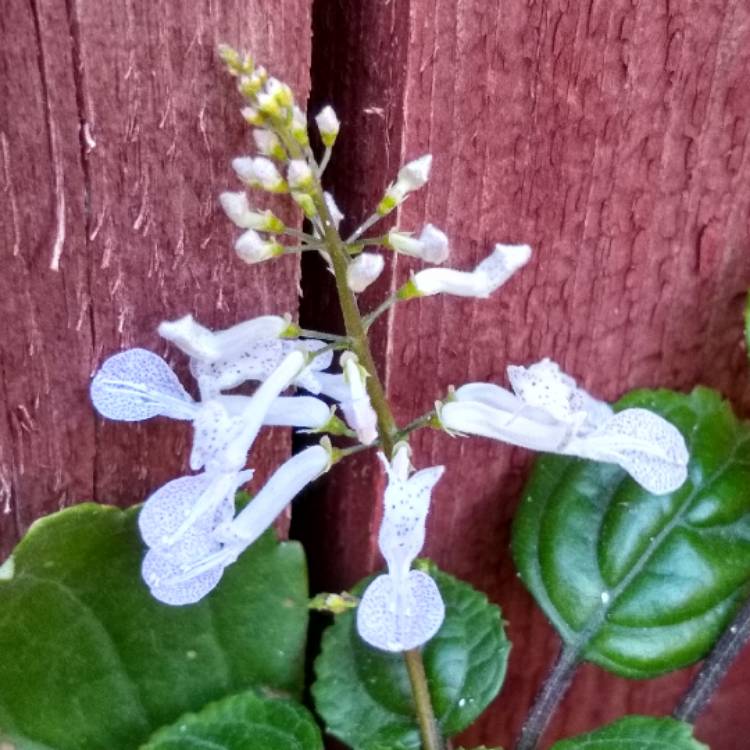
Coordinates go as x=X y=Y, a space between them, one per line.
x=252 y=248
x=300 y=176
x=236 y=63
x=328 y=126
x=363 y=270
x=431 y=245
x=252 y=116
x=298 y=126
x=411 y=177
x=260 y=172
x=236 y=207
x=306 y=203
x=268 y=143
x=249 y=85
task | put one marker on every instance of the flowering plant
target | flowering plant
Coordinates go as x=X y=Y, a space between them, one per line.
x=195 y=530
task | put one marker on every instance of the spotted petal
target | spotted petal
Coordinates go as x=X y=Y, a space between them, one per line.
x=395 y=616
x=137 y=384
x=647 y=446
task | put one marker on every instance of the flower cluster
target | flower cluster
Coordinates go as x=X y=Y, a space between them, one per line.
x=191 y=525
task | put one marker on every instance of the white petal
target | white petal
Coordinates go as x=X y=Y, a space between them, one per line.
x=361 y=417
x=158 y=571
x=257 y=361
x=647 y=446
x=503 y=262
x=449 y=281
x=214 y=428
x=137 y=384
x=395 y=617
x=546 y=386
x=191 y=337
x=186 y=510
x=415 y=174
x=333 y=385
x=363 y=271
x=285 y=483
x=298 y=411
x=406 y=505
x=518 y=428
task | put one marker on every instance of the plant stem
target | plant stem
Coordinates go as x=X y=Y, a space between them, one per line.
x=554 y=688
x=431 y=739
x=310 y=334
x=383 y=307
x=714 y=669
x=416 y=424
x=387 y=429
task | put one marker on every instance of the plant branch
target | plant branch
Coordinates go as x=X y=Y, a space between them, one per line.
x=554 y=688
x=431 y=739
x=714 y=669
x=383 y=307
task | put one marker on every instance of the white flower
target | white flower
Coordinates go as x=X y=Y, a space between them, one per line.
x=328 y=125
x=282 y=487
x=299 y=175
x=252 y=248
x=411 y=177
x=363 y=270
x=548 y=412
x=488 y=276
x=199 y=342
x=260 y=172
x=358 y=411
x=137 y=384
x=268 y=143
x=431 y=245
x=237 y=208
x=222 y=360
x=402 y=609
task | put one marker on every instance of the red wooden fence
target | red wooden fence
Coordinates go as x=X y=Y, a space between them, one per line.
x=612 y=136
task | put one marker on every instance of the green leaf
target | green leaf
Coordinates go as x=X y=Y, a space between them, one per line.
x=242 y=722
x=637 y=583
x=636 y=733
x=90 y=660
x=364 y=694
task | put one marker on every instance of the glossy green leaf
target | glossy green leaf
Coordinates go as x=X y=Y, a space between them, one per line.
x=636 y=733
x=90 y=660
x=637 y=583
x=242 y=722
x=364 y=696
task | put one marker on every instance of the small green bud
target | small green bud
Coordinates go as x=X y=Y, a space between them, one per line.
x=336 y=604
x=409 y=291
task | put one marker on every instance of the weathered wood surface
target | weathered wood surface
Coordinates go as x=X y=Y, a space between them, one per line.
x=117 y=126
x=613 y=137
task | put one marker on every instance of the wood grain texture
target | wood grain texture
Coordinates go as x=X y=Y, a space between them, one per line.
x=613 y=137
x=116 y=130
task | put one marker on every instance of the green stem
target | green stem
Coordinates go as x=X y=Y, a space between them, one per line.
x=383 y=307
x=428 y=728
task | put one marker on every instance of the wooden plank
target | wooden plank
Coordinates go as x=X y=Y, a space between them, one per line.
x=116 y=134
x=613 y=138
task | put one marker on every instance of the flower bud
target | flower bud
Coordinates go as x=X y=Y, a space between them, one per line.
x=300 y=176
x=259 y=172
x=236 y=207
x=252 y=248
x=306 y=203
x=298 y=126
x=268 y=143
x=431 y=245
x=411 y=177
x=363 y=270
x=328 y=126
